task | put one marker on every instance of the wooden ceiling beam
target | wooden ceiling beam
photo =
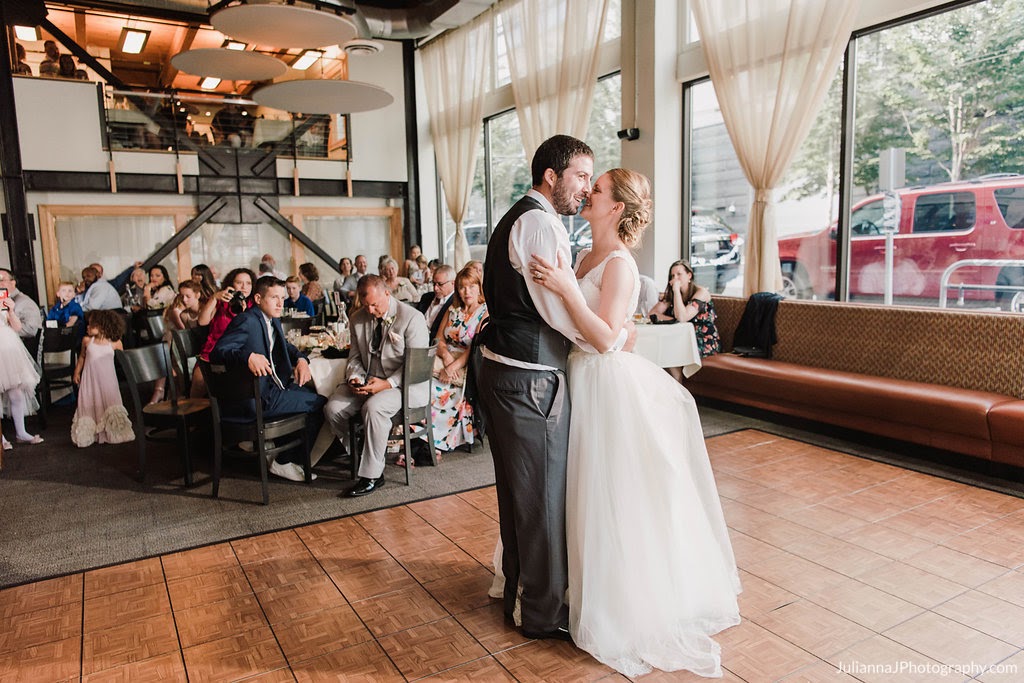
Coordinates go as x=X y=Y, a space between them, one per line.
x=183 y=42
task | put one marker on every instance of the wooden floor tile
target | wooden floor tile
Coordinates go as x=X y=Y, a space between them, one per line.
x=340 y=532
x=485 y=669
x=438 y=563
x=209 y=558
x=949 y=642
x=485 y=500
x=1008 y=587
x=820 y=672
x=33 y=597
x=955 y=566
x=112 y=610
x=988 y=614
x=462 y=592
x=395 y=519
x=760 y=596
x=487 y=624
x=480 y=548
x=206 y=588
x=912 y=584
x=321 y=632
x=431 y=648
x=360 y=580
x=813 y=628
x=296 y=600
x=364 y=662
x=122 y=577
x=880 y=660
x=885 y=541
x=824 y=519
x=990 y=543
x=755 y=654
x=40 y=627
x=230 y=659
x=128 y=643
x=268 y=546
x=400 y=610
x=552 y=661
x=216 y=620
x=165 y=668
x=796 y=575
x=281 y=571
x=1010 y=670
x=55 y=661
x=865 y=605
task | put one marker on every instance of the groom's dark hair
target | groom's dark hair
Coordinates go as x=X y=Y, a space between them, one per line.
x=557 y=153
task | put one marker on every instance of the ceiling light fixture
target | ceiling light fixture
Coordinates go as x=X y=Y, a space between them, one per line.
x=234 y=45
x=307 y=59
x=132 y=41
x=209 y=83
x=28 y=33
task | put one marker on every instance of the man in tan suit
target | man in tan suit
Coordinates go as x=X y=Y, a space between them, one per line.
x=380 y=331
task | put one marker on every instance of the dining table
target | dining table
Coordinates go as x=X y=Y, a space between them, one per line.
x=669 y=345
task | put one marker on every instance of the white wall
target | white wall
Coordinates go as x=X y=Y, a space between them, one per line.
x=378 y=137
x=59 y=125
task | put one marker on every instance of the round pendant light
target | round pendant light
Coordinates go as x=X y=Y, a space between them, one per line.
x=323 y=96
x=285 y=26
x=230 y=65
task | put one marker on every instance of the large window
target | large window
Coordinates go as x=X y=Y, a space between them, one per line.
x=502 y=173
x=933 y=174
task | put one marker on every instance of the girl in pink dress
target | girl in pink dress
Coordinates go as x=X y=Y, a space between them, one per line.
x=101 y=416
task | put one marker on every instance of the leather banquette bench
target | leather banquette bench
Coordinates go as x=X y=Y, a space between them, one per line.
x=949 y=379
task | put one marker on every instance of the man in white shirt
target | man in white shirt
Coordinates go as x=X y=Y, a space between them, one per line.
x=433 y=305
x=361 y=265
x=522 y=385
x=99 y=295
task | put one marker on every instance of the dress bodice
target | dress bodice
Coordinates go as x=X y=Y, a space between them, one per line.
x=590 y=284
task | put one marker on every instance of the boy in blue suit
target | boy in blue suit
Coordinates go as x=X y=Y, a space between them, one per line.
x=296 y=299
x=256 y=340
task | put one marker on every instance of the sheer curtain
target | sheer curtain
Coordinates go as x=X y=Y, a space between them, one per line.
x=455 y=73
x=771 y=62
x=552 y=53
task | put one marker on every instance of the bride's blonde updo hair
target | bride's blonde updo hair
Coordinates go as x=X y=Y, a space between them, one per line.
x=634 y=191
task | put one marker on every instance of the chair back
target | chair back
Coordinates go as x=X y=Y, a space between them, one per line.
x=155 y=325
x=57 y=339
x=187 y=344
x=226 y=383
x=146 y=364
x=418 y=367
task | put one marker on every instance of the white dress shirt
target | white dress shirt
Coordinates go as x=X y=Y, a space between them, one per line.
x=542 y=233
x=434 y=308
x=100 y=296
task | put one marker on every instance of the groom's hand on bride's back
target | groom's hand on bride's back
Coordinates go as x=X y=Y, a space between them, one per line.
x=630 y=327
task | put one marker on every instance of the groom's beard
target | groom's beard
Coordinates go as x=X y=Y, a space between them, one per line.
x=563 y=201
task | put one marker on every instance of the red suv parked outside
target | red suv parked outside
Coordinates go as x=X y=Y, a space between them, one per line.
x=938 y=226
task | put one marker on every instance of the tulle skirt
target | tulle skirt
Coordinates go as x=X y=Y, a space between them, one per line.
x=651 y=569
x=18 y=371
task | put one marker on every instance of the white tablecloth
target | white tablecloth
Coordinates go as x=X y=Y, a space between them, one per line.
x=669 y=346
x=327 y=373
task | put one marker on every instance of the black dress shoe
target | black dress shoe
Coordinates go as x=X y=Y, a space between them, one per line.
x=365 y=486
x=557 y=634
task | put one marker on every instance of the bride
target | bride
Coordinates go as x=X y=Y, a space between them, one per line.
x=651 y=570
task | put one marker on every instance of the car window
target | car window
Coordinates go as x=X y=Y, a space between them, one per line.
x=1010 y=201
x=944 y=211
x=867 y=219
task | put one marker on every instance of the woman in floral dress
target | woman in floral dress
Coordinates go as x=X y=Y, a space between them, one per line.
x=452 y=415
x=686 y=301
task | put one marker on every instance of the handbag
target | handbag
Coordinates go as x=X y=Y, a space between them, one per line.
x=460 y=379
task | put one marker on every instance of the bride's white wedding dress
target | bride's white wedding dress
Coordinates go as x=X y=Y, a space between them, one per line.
x=651 y=570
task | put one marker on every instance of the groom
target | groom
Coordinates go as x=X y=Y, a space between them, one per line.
x=522 y=384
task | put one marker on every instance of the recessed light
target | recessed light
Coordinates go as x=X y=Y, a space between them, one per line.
x=27 y=33
x=209 y=83
x=234 y=45
x=307 y=59
x=132 y=41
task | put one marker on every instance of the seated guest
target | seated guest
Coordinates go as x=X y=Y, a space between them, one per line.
x=183 y=313
x=451 y=413
x=203 y=276
x=66 y=311
x=478 y=266
x=420 y=276
x=21 y=67
x=50 y=66
x=434 y=305
x=381 y=331
x=297 y=301
x=686 y=301
x=347 y=283
x=255 y=339
x=411 y=264
x=400 y=287
x=270 y=262
x=223 y=306
x=24 y=308
x=362 y=265
x=158 y=292
x=311 y=281
x=97 y=293
x=119 y=281
x=132 y=296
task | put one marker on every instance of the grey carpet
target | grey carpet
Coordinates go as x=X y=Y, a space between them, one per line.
x=65 y=509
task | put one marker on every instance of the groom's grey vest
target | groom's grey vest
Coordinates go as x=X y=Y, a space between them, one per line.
x=516 y=330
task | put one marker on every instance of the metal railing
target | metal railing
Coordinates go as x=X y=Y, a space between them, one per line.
x=944 y=285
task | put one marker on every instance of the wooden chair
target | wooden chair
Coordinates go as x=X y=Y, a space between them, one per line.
x=155 y=422
x=417 y=368
x=57 y=375
x=239 y=386
x=185 y=345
